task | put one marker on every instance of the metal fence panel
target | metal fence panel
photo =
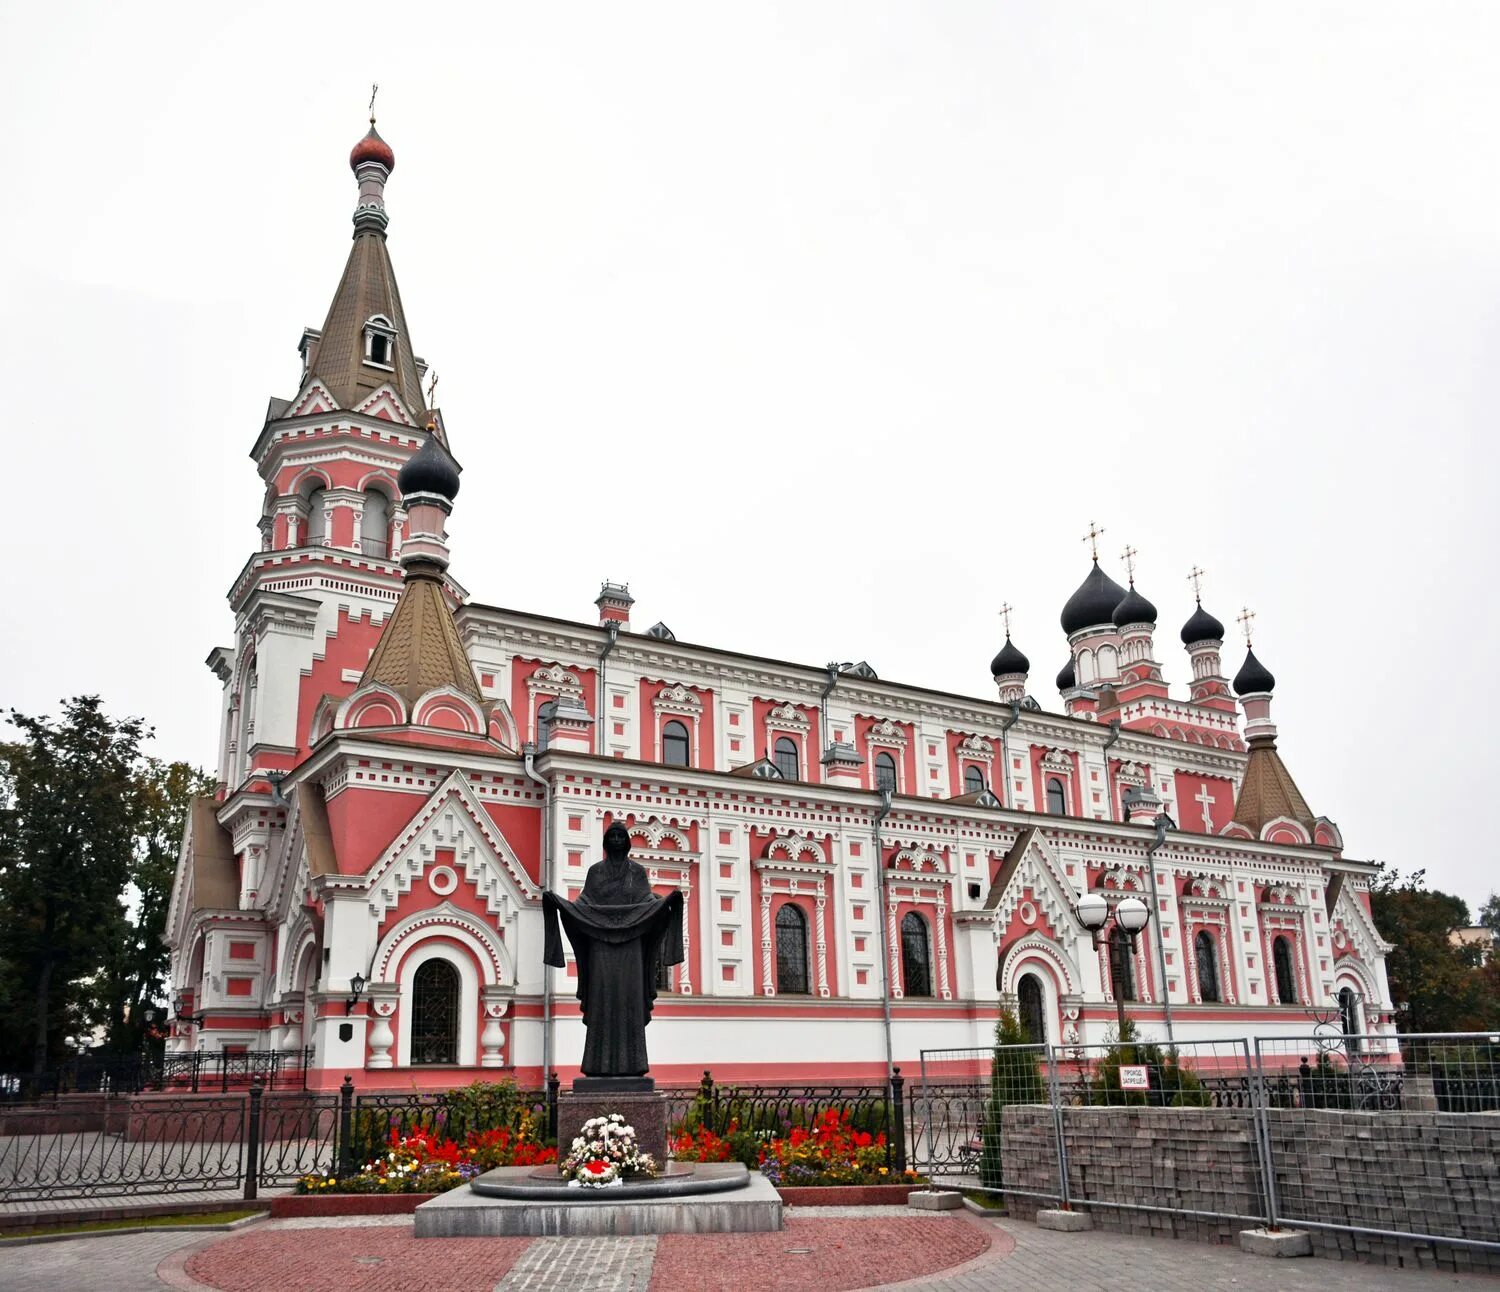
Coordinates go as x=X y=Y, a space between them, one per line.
x=1396 y=1137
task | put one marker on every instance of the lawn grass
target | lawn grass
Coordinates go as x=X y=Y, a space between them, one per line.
x=129 y=1222
x=989 y=1201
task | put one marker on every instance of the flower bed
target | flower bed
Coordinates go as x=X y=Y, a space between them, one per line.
x=830 y=1153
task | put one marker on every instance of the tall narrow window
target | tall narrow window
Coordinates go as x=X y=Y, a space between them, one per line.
x=375 y=525
x=885 y=772
x=916 y=956
x=1121 y=965
x=791 y=951
x=1286 y=983
x=663 y=976
x=787 y=762
x=1349 y=1018
x=1207 y=956
x=434 y=1013
x=317 y=520
x=973 y=780
x=1033 y=1017
x=675 y=745
x=1057 y=797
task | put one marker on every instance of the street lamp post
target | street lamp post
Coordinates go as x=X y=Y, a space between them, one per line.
x=1131 y=915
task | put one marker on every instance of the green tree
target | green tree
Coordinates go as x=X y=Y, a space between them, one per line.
x=1489 y=913
x=134 y=967
x=1015 y=1078
x=1435 y=983
x=68 y=808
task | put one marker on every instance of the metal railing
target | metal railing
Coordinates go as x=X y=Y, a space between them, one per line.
x=1372 y=1138
x=195 y=1073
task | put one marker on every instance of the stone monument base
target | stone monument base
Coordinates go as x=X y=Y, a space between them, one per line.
x=634 y=1098
x=728 y=1200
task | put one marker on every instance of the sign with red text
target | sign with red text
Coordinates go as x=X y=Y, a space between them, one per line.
x=1135 y=1076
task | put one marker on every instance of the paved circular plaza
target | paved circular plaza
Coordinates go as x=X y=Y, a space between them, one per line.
x=820 y=1250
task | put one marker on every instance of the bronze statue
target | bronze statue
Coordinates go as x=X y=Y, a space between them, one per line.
x=620 y=932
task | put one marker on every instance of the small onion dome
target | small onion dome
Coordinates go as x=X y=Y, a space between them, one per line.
x=372 y=148
x=1134 y=609
x=1067 y=679
x=1253 y=676
x=429 y=470
x=1009 y=660
x=1202 y=627
x=1093 y=603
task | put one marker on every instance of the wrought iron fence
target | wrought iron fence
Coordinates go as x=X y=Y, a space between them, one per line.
x=124 y=1074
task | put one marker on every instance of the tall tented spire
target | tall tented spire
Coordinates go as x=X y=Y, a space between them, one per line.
x=364 y=343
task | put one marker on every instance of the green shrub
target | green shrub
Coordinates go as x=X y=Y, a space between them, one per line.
x=1015 y=1078
x=1172 y=1085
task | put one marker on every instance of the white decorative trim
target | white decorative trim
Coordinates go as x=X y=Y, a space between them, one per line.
x=442 y=880
x=1058 y=760
x=886 y=732
x=677 y=698
x=787 y=717
x=975 y=746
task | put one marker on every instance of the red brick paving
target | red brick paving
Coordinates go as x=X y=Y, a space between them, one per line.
x=329 y=1260
x=846 y=1253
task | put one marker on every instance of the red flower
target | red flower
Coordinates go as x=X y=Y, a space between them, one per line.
x=596 y=1167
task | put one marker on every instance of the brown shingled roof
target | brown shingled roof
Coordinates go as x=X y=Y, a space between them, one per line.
x=216 y=873
x=1269 y=791
x=368 y=287
x=316 y=835
x=419 y=648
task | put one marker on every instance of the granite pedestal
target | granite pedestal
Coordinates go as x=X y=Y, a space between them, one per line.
x=634 y=1098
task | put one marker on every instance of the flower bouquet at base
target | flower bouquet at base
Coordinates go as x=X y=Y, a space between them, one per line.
x=604 y=1155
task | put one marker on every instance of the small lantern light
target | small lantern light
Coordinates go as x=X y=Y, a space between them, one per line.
x=1092 y=911
x=357 y=989
x=1131 y=915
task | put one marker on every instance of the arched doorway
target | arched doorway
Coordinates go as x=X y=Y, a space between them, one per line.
x=1033 y=1009
x=434 y=1021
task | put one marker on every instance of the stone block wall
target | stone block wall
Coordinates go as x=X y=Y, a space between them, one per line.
x=1425 y=1172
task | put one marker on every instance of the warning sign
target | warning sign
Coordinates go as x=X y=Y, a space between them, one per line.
x=1135 y=1077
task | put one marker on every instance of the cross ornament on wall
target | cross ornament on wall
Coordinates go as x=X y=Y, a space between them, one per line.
x=1207 y=800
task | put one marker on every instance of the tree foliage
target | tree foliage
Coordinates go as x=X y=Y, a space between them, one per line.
x=1436 y=984
x=83 y=816
x=1489 y=913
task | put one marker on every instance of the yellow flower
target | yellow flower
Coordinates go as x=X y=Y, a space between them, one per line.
x=882 y=1171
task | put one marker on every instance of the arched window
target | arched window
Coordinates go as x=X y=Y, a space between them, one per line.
x=1057 y=797
x=787 y=762
x=916 y=956
x=1121 y=965
x=675 y=746
x=434 y=1013
x=1286 y=983
x=885 y=772
x=380 y=341
x=663 y=976
x=375 y=525
x=1207 y=956
x=317 y=520
x=1349 y=1018
x=1033 y=1015
x=973 y=780
x=791 y=951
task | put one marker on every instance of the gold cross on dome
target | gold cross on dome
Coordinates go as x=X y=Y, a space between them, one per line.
x=1005 y=612
x=431 y=387
x=374 y=90
x=1195 y=577
x=1096 y=532
x=1245 y=618
x=1128 y=556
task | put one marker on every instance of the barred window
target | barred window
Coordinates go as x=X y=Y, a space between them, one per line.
x=434 y=1013
x=1033 y=1016
x=916 y=956
x=791 y=951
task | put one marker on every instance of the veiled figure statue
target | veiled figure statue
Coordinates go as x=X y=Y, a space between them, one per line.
x=620 y=931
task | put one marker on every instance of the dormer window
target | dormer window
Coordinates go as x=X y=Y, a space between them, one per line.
x=380 y=342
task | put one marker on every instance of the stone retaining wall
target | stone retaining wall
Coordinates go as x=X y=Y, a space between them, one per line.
x=1420 y=1171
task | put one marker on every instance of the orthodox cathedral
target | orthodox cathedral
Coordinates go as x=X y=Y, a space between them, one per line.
x=868 y=868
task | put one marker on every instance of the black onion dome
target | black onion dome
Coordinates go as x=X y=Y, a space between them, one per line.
x=430 y=470
x=1009 y=660
x=1253 y=676
x=1093 y=603
x=1134 y=609
x=1202 y=627
x=1067 y=679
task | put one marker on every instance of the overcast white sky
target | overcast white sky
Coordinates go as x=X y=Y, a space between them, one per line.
x=830 y=327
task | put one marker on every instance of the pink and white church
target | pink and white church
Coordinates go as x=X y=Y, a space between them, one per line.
x=403 y=770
